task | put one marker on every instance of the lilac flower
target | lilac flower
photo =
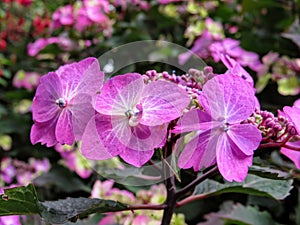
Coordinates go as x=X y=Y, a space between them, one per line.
x=220 y=136
x=60 y=99
x=132 y=119
x=291 y=154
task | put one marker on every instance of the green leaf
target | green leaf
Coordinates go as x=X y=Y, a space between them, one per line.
x=293 y=33
x=252 y=185
x=262 y=82
x=238 y=214
x=71 y=209
x=19 y=201
x=289 y=86
x=268 y=172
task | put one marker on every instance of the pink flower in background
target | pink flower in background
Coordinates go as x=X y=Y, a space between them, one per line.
x=63 y=16
x=132 y=119
x=59 y=100
x=221 y=138
x=96 y=10
x=74 y=160
x=63 y=42
x=28 y=80
x=8 y=170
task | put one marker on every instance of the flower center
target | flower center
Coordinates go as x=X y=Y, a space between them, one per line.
x=61 y=102
x=134 y=116
x=225 y=127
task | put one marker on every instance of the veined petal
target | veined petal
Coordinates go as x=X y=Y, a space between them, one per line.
x=229 y=98
x=98 y=140
x=64 y=128
x=84 y=76
x=162 y=102
x=119 y=94
x=44 y=133
x=246 y=137
x=193 y=151
x=92 y=78
x=82 y=111
x=136 y=158
x=192 y=121
x=232 y=163
x=49 y=90
x=140 y=137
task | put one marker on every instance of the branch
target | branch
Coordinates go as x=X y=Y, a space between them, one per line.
x=151 y=207
x=198 y=180
x=190 y=199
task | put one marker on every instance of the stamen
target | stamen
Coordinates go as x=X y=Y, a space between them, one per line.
x=61 y=102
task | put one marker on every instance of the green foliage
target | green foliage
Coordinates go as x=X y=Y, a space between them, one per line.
x=252 y=185
x=238 y=214
x=23 y=201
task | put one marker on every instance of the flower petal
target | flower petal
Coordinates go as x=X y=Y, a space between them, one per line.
x=64 y=128
x=49 y=90
x=293 y=113
x=119 y=94
x=229 y=98
x=162 y=102
x=136 y=158
x=44 y=133
x=199 y=152
x=98 y=140
x=82 y=111
x=246 y=137
x=232 y=163
x=192 y=121
x=291 y=154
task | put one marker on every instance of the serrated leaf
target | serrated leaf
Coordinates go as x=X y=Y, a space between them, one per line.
x=70 y=209
x=293 y=33
x=252 y=185
x=19 y=201
x=238 y=214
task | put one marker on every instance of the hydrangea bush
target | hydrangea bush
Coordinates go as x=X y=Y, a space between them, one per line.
x=95 y=140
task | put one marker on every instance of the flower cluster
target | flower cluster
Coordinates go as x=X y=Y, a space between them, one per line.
x=155 y=195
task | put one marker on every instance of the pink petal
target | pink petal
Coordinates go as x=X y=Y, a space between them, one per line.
x=140 y=137
x=192 y=121
x=246 y=137
x=293 y=113
x=44 y=133
x=199 y=152
x=291 y=154
x=99 y=141
x=49 y=90
x=81 y=117
x=235 y=68
x=84 y=76
x=64 y=128
x=136 y=158
x=297 y=103
x=229 y=98
x=232 y=163
x=162 y=102
x=120 y=94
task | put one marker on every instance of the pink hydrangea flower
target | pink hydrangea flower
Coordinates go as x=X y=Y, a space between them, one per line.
x=132 y=119
x=8 y=171
x=28 y=80
x=59 y=101
x=220 y=136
